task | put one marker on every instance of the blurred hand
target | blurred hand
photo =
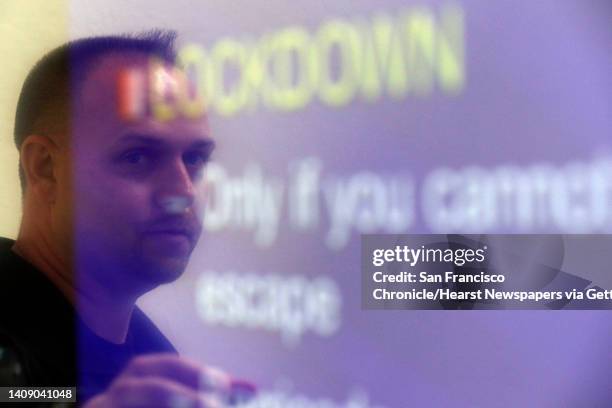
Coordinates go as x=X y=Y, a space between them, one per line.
x=167 y=380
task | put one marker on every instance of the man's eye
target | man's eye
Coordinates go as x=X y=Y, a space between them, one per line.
x=196 y=158
x=136 y=157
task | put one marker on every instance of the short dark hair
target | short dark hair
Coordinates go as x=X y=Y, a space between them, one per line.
x=45 y=97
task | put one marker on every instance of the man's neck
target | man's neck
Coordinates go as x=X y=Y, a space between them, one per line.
x=39 y=251
x=106 y=314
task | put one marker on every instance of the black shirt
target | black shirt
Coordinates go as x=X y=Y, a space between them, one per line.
x=44 y=343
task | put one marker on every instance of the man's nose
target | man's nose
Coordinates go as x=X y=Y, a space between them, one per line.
x=175 y=193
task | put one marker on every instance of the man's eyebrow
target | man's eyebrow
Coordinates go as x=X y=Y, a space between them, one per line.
x=141 y=138
x=148 y=139
x=207 y=144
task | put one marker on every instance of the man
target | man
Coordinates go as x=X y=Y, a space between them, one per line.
x=111 y=210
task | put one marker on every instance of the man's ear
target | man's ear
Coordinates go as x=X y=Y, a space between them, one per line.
x=38 y=160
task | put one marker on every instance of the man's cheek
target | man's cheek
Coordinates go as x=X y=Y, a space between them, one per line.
x=130 y=209
x=201 y=200
x=114 y=207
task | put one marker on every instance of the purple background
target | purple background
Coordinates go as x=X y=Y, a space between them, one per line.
x=538 y=89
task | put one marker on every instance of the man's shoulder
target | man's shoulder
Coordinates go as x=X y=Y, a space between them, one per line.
x=40 y=328
x=27 y=297
x=7 y=264
x=29 y=303
x=36 y=322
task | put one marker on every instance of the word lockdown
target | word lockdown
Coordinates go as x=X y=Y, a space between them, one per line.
x=412 y=51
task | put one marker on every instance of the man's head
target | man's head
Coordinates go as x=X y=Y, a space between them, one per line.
x=118 y=197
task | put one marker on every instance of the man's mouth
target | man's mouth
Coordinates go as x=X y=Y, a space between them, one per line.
x=176 y=236
x=172 y=232
x=175 y=227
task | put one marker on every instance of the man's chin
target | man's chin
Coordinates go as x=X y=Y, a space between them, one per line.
x=158 y=270
x=164 y=257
